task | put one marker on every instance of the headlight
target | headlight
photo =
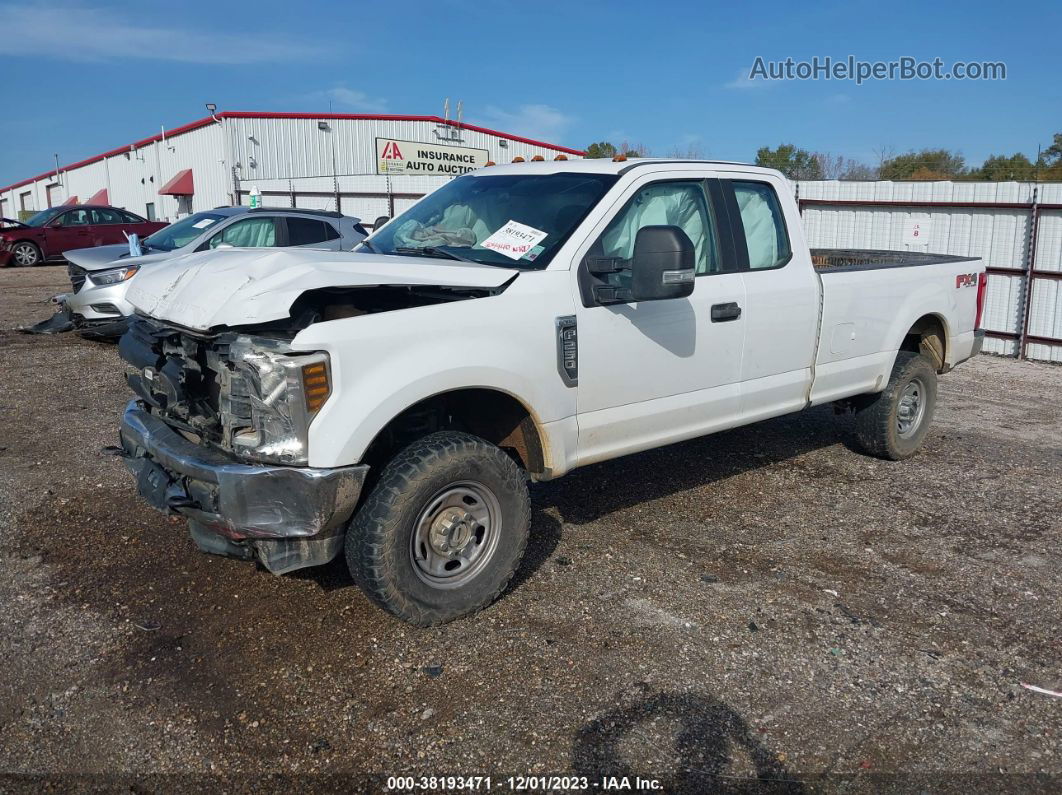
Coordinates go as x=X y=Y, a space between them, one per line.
x=269 y=398
x=114 y=275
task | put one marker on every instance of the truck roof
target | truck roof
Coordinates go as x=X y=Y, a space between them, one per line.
x=609 y=166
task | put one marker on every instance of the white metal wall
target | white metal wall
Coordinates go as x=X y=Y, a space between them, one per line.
x=133 y=178
x=1000 y=236
x=264 y=152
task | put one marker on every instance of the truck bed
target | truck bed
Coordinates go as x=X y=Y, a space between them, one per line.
x=832 y=260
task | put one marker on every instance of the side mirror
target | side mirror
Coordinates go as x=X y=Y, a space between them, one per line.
x=663 y=265
x=383 y=219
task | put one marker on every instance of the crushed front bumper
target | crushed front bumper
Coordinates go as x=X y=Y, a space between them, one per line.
x=287 y=517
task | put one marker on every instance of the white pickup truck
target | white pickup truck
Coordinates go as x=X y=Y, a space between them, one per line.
x=519 y=322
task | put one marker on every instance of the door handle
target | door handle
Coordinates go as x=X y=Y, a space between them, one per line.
x=721 y=313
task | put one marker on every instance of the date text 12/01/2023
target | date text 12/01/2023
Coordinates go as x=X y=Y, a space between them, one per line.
x=523 y=783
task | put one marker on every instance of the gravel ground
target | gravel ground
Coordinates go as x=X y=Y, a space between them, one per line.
x=762 y=603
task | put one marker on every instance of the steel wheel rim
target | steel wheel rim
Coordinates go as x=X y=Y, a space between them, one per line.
x=25 y=254
x=456 y=535
x=912 y=408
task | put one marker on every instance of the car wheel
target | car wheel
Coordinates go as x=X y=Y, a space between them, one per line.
x=893 y=423
x=25 y=254
x=443 y=530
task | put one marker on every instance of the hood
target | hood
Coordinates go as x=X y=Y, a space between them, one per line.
x=238 y=287
x=113 y=256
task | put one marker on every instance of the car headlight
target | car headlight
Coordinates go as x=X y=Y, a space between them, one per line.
x=270 y=396
x=114 y=275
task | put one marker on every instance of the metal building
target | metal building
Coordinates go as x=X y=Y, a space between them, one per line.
x=1015 y=227
x=363 y=165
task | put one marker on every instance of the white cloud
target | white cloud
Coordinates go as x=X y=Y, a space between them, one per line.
x=82 y=33
x=744 y=82
x=349 y=99
x=531 y=121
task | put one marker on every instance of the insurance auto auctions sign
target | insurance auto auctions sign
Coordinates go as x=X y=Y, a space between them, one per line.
x=429 y=160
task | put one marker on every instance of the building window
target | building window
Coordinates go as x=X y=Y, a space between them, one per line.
x=25 y=201
x=149 y=211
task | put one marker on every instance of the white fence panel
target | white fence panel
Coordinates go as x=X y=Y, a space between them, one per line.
x=999 y=235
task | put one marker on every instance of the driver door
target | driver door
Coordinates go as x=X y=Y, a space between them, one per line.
x=660 y=371
x=71 y=230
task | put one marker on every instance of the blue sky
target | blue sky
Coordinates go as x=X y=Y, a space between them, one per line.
x=82 y=77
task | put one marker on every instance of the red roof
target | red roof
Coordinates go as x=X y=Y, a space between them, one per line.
x=71 y=200
x=243 y=114
x=181 y=185
x=99 y=197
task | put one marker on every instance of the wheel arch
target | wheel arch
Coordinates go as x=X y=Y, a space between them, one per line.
x=929 y=336
x=493 y=414
x=35 y=243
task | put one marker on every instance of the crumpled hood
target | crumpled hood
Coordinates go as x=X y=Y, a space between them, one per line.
x=237 y=287
x=113 y=256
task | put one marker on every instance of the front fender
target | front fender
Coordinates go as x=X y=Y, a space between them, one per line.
x=384 y=363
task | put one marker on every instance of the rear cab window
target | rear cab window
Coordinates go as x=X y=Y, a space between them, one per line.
x=762 y=225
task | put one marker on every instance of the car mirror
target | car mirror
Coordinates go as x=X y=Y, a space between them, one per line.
x=380 y=221
x=663 y=264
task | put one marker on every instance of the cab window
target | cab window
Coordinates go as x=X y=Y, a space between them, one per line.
x=681 y=204
x=765 y=232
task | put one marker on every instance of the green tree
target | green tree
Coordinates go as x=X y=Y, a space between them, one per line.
x=1049 y=166
x=927 y=164
x=610 y=150
x=794 y=163
x=1052 y=155
x=601 y=149
x=999 y=168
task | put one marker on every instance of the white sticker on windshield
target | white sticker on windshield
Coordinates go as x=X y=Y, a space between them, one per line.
x=514 y=240
x=204 y=223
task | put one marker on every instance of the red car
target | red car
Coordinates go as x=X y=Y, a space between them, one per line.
x=45 y=236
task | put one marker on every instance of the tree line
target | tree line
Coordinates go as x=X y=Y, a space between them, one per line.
x=927 y=164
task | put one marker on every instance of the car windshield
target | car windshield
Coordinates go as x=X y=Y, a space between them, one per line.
x=181 y=233
x=512 y=220
x=43 y=217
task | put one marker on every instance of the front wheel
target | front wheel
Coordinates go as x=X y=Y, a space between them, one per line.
x=893 y=423
x=442 y=532
x=25 y=254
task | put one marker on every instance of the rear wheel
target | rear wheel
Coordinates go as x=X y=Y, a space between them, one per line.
x=441 y=533
x=893 y=423
x=24 y=254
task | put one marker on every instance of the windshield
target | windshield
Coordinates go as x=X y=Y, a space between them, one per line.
x=43 y=217
x=515 y=220
x=181 y=233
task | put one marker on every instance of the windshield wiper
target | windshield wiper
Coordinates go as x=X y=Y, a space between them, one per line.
x=433 y=251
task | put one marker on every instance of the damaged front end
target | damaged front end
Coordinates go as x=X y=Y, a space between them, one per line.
x=218 y=433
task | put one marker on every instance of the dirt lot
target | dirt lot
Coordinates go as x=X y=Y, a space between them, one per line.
x=762 y=603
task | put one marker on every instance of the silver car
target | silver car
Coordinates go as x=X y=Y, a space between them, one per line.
x=100 y=276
